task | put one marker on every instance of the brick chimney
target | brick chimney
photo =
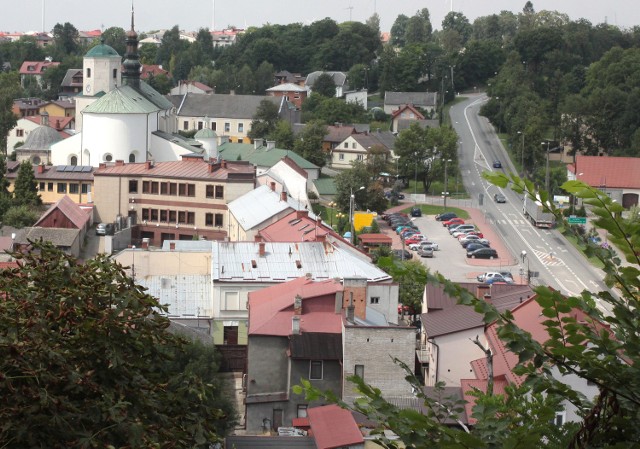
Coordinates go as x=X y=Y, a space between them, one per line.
x=356 y=290
x=350 y=309
x=273 y=186
x=102 y=165
x=172 y=246
x=482 y=290
x=261 y=249
x=257 y=238
x=40 y=169
x=119 y=163
x=301 y=213
x=295 y=325
x=297 y=305
x=283 y=196
x=148 y=165
x=223 y=163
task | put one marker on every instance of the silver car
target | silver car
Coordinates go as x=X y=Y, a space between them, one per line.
x=425 y=251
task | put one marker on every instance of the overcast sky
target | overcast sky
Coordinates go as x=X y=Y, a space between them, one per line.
x=26 y=15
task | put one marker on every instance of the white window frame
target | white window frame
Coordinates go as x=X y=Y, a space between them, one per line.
x=229 y=302
x=240 y=127
x=560 y=418
x=358 y=370
x=311 y=363
x=374 y=300
x=341 y=156
x=302 y=410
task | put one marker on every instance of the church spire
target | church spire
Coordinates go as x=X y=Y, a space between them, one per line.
x=131 y=64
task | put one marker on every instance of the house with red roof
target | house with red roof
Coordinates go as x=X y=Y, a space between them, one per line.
x=153 y=70
x=35 y=70
x=193 y=87
x=618 y=177
x=528 y=317
x=333 y=428
x=324 y=331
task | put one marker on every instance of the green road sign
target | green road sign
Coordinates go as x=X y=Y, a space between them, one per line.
x=577 y=220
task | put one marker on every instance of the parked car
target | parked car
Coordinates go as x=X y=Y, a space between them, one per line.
x=472 y=239
x=425 y=251
x=415 y=238
x=499 y=198
x=402 y=254
x=497 y=164
x=453 y=221
x=446 y=216
x=490 y=274
x=105 y=229
x=433 y=245
x=416 y=212
x=462 y=229
x=483 y=253
x=499 y=279
x=406 y=227
x=471 y=247
x=478 y=233
x=406 y=230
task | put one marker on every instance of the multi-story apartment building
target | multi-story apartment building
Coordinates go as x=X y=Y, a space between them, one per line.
x=177 y=200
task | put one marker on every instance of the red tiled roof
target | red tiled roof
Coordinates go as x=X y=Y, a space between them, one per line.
x=399 y=111
x=296 y=227
x=334 y=427
x=152 y=70
x=187 y=169
x=338 y=133
x=375 y=238
x=468 y=385
x=93 y=33
x=608 y=171
x=37 y=67
x=77 y=215
x=55 y=122
x=271 y=309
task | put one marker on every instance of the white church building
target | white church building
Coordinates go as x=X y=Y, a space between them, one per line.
x=119 y=116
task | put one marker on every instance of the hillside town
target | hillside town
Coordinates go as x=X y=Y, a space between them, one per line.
x=311 y=234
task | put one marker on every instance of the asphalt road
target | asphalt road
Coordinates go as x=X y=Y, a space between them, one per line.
x=555 y=261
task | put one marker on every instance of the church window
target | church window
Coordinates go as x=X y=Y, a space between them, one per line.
x=74 y=160
x=132 y=157
x=133 y=186
x=36 y=160
x=88 y=73
x=73 y=188
x=62 y=187
x=19 y=132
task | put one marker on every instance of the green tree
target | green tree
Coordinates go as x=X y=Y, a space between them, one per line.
x=25 y=192
x=115 y=37
x=9 y=89
x=148 y=53
x=399 y=30
x=325 y=86
x=309 y=143
x=92 y=349
x=264 y=77
x=65 y=37
x=18 y=216
x=371 y=197
x=264 y=122
x=160 y=82
x=282 y=135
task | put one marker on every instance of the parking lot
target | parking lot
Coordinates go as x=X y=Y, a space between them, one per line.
x=451 y=259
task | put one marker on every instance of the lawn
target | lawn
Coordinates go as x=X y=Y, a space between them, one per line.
x=580 y=247
x=430 y=209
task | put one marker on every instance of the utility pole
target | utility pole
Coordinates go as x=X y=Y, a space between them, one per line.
x=446 y=183
x=546 y=173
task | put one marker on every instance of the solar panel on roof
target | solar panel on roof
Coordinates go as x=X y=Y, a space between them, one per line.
x=86 y=169
x=77 y=168
x=61 y=168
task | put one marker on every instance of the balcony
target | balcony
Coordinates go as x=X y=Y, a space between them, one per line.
x=423 y=352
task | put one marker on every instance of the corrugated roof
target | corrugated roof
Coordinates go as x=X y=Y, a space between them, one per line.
x=183 y=169
x=419 y=99
x=185 y=295
x=58 y=236
x=257 y=206
x=232 y=261
x=608 y=171
x=77 y=215
x=129 y=100
x=261 y=157
x=334 y=427
x=322 y=346
x=222 y=105
x=181 y=141
x=287 y=87
x=296 y=227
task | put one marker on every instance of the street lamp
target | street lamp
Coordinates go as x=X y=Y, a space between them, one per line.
x=331 y=205
x=523 y=257
x=351 y=206
x=546 y=174
x=446 y=183
x=415 y=178
x=522 y=151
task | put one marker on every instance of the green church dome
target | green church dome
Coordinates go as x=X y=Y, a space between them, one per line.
x=101 y=51
x=205 y=133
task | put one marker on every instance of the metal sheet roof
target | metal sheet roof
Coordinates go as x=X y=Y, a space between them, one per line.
x=185 y=295
x=259 y=205
x=261 y=156
x=129 y=100
x=240 y=261
x=223 y=105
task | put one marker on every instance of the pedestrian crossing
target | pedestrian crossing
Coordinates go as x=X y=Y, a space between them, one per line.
x=548 y=259
x=512 y=222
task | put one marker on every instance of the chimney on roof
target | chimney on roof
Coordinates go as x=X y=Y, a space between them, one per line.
x=257 y=143
x=102 y=165
x=283 y=196
x=297 y=305
x=257 y=238
x=40 y=169
x=44 y=118
x=172 y=246
x=58 y=124
x=302 y=213
x=119 y=163
x=321 y=238
x=295 y=325
x=212 y=166
x=271 y=144
x=273 y=186
x=357 y=289
x=483 y=290
x=261 y=250
x=148 y=165
x=223 y=163
x=351 y=309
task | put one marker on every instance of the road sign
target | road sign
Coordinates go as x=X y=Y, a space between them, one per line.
x=577 y=220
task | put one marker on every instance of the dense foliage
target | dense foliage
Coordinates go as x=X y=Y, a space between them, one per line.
x=86 y=360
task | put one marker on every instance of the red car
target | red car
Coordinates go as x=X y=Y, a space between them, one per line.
x=466 y=234
x=414 y=239
x=453 y=221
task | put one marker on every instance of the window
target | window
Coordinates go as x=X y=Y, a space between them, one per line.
x=374 y=300
x=173 y=189
x=42 y=186
x=191 y=217
x=346 y=144
x=155 y=188
x=146 y=187
x=359 y=157
x=353 y=145
x=164 y=188
x=74 y=160
x=231 y=301
x=145 y=214
x=315 y=369
x=240 y=127
x=163 y=216
x=209 y=191
x=50 y=187
x=85 y=188
x=108 y=157
x=219 y=192
x=172 y=216
x=227 y=127
x=560 y=419
x=341 y=156
x=219 y=219
x=88 y=73
x=185 y=125
x=302 y=410
x=133 y=186
x=115 y=74
x=74 y=188
x=154 y=214
x=200 y=125
x=191 y=190
x=208 y=219
x=359 y=371
x=132 y=158
x=182 y=217
x=19 y=132
x=213 y=126
x=182 y=189
x=62 y=187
